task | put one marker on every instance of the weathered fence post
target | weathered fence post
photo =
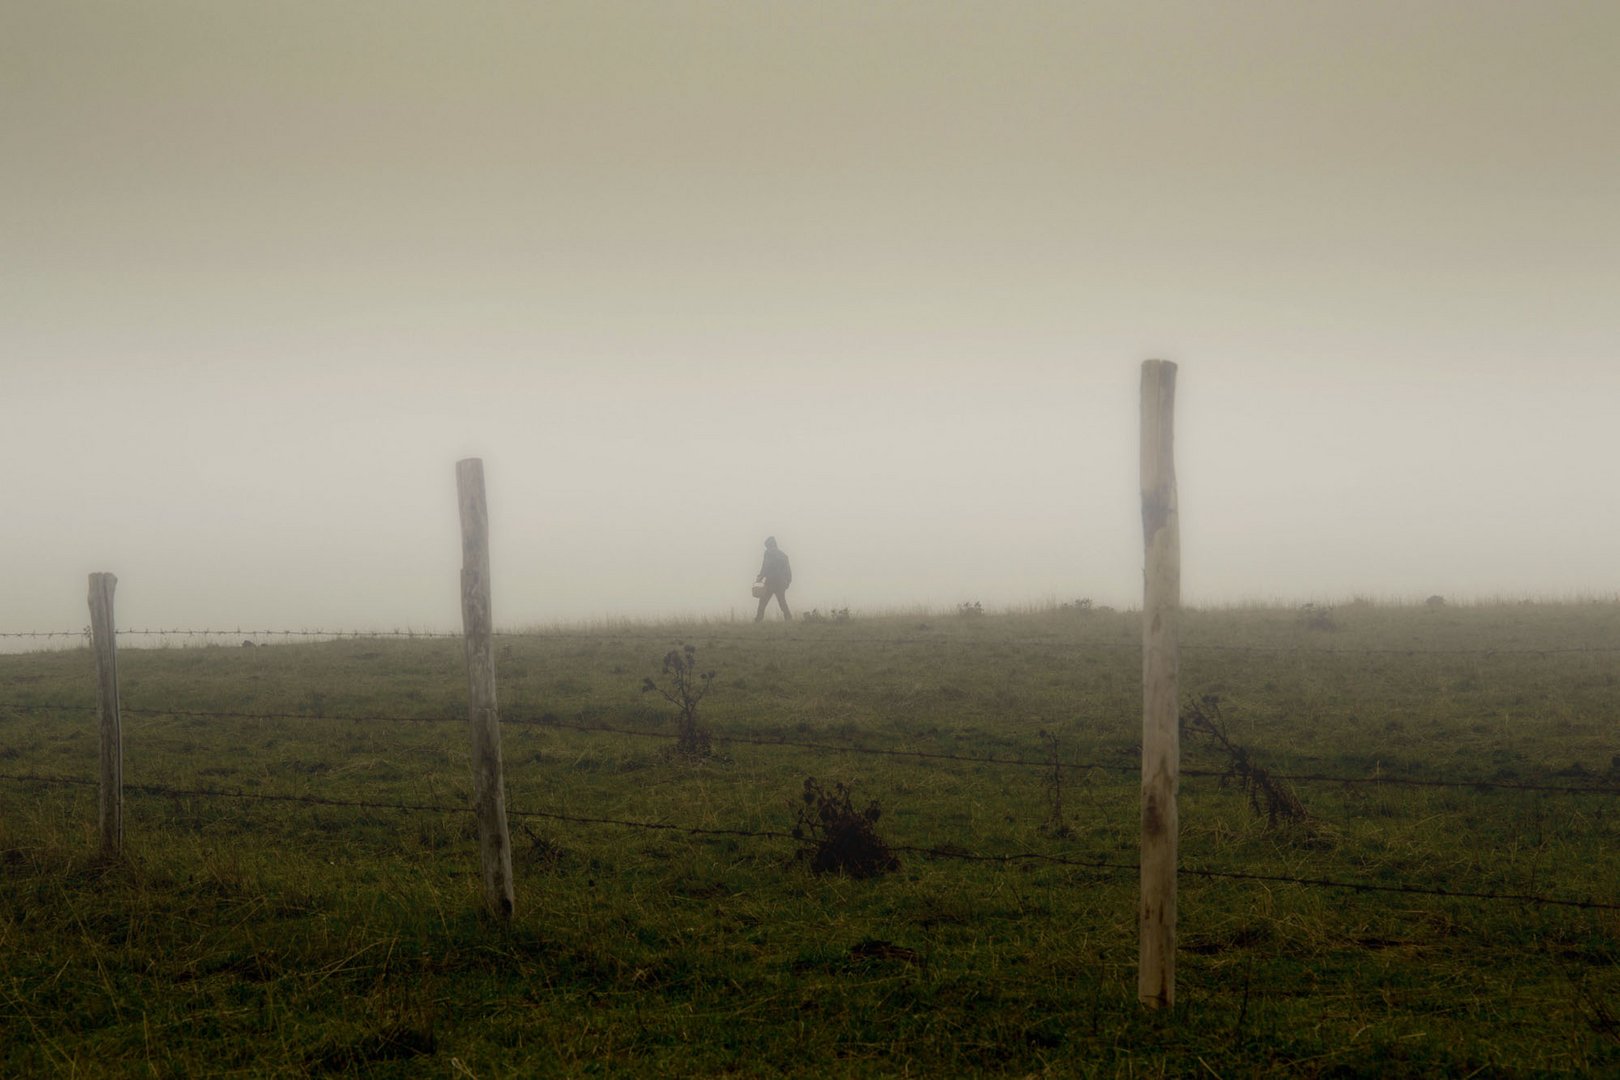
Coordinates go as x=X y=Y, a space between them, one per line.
x=1161 y=751
x=489 y=787
x=105 y=640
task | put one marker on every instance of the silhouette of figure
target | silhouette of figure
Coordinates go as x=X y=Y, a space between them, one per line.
x=777 y=575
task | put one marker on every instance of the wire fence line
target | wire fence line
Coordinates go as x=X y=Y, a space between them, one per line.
x=1081 y=766
x=945 y=852
x=546 y=722
x=836 y=748
x=831 y=636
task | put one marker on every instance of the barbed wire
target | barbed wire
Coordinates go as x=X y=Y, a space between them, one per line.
x=208 y=714
x=837 y=748
x=223 y=714
x=1413 y=890
x=1402 y=781
x=830 y=637
x=317 y=632
x=1484 y=652
x=935 y=852
x=547 y=722
x=1077 y=766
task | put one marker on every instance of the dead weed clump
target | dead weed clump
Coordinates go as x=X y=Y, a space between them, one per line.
x=840 y=839
x=687 y=686
x=1268 y=797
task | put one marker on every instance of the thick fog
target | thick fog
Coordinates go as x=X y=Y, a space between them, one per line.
x=873 y=279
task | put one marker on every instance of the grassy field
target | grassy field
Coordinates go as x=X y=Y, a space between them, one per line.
x=246 y=937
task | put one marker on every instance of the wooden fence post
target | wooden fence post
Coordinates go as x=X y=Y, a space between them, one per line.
x=105 y=640
x=1161 y=750
x=489 y=786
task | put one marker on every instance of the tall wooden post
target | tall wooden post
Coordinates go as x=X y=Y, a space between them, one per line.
x=489 y=787
x=105 y=641
x=1161 y=750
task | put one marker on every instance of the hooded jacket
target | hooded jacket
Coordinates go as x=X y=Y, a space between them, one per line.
x=775 y=570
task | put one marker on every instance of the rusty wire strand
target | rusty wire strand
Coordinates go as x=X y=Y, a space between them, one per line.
x=831 y=637
x=947 y=852
x=837 y=748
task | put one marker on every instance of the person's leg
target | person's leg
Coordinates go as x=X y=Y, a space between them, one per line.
x=764 y=599
x=781 y=599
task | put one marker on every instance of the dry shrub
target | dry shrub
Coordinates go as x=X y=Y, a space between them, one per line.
x=687 y=686
x=1268 y=796
x=840 y=838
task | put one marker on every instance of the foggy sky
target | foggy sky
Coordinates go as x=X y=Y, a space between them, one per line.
x=874 y=279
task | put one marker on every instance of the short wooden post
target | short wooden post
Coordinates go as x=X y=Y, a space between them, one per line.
x=1161 y=750
x=489 y=786
x=105 y=641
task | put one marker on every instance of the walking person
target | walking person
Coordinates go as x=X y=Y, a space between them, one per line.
x=776 y=575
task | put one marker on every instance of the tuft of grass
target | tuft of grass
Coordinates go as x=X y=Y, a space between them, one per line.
x=840 y=839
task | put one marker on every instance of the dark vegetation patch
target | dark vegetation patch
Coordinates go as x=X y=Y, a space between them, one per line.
x=839 y=839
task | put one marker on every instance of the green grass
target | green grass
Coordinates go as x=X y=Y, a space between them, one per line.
x=265 y=938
